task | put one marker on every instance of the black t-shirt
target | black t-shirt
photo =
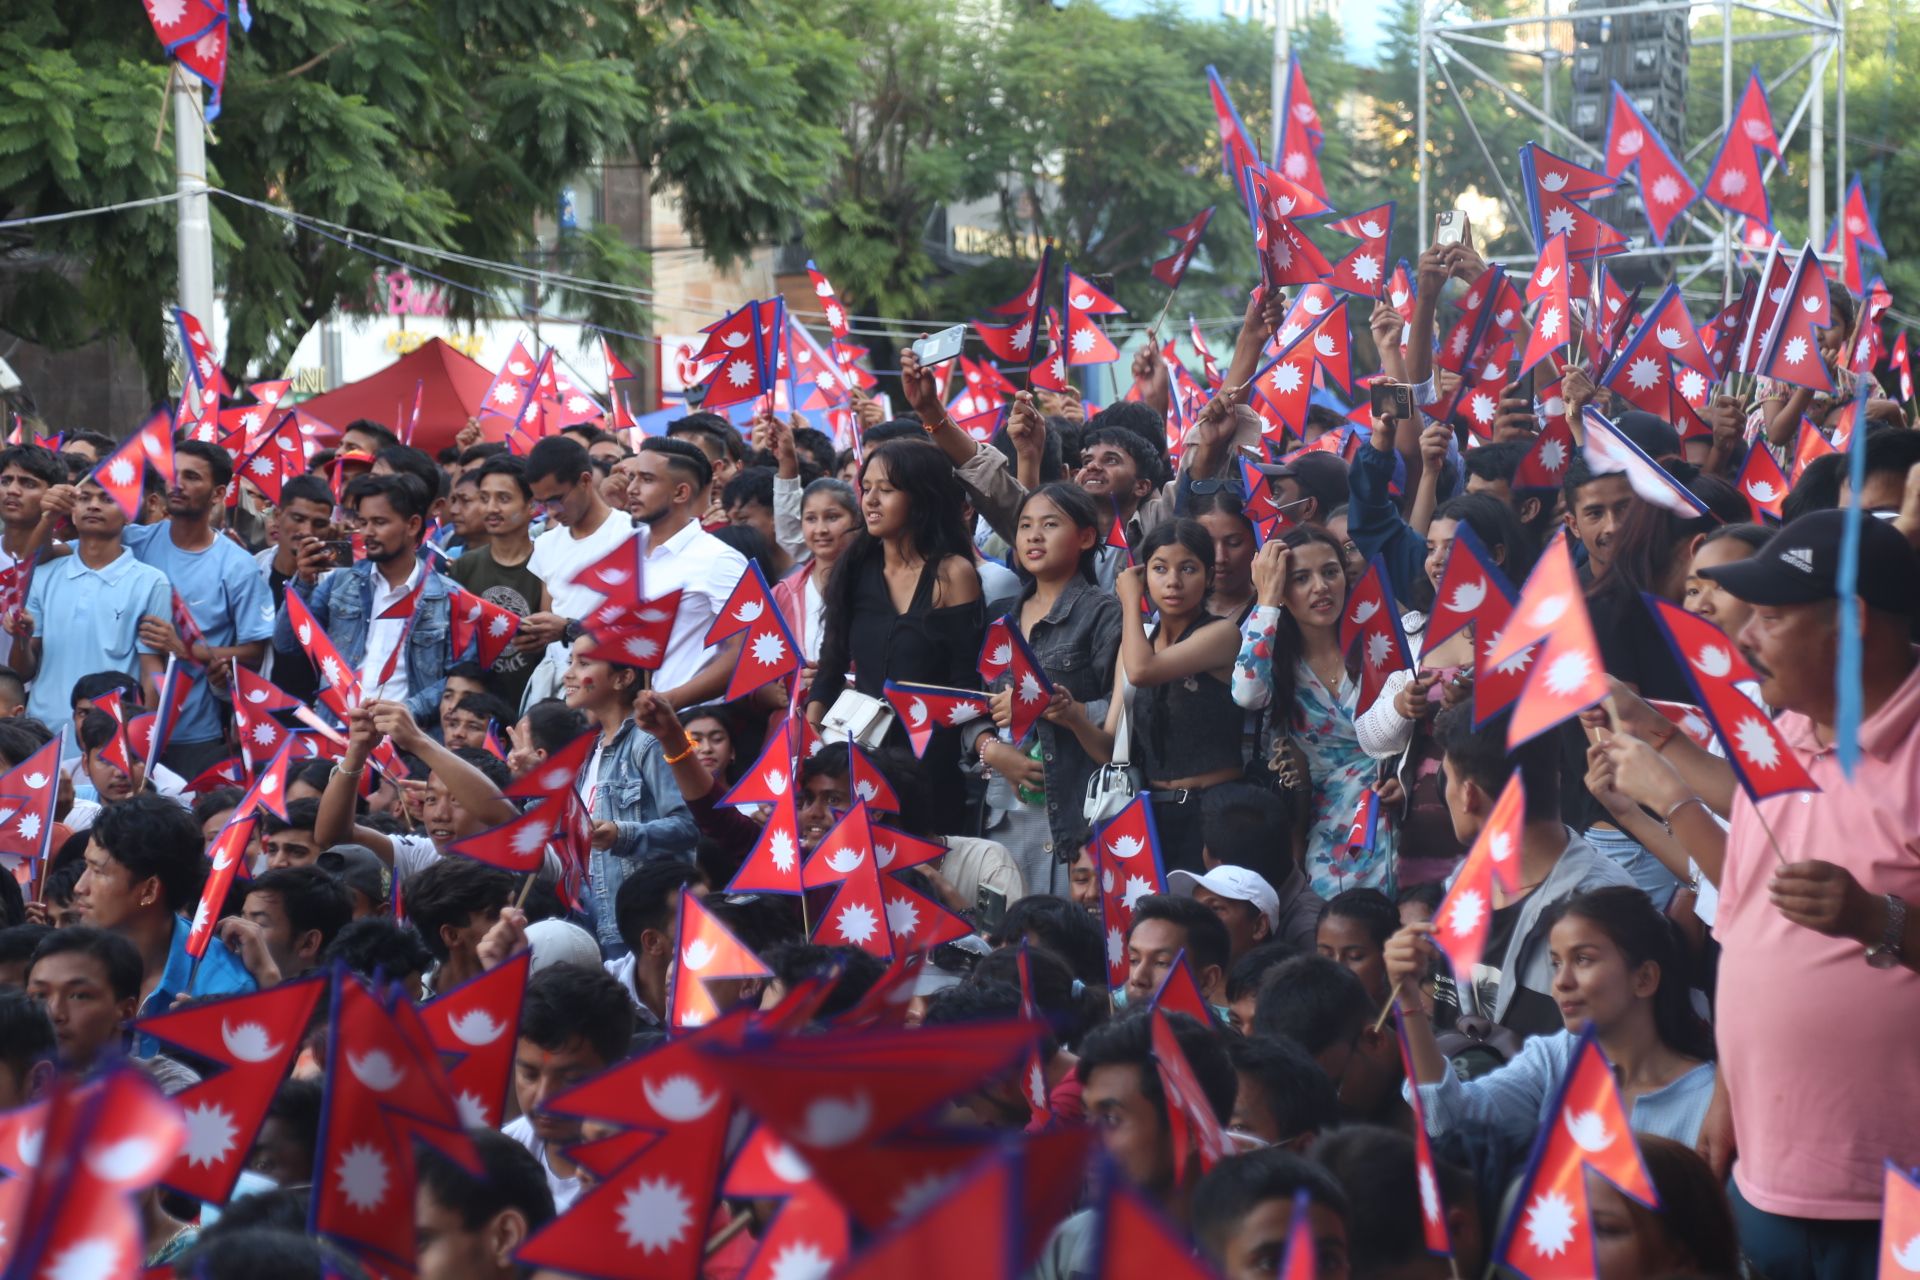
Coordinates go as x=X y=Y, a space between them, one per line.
x=1529 y=1012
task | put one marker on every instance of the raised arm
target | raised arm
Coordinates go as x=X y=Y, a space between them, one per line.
x=469 y=787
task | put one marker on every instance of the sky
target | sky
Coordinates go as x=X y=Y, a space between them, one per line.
x=1362 y=20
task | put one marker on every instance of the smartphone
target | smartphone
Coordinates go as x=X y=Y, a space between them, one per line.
x=941 y=347
x=341 y=551
x=989 y=909
x=1449 y=227
x=1392 y=399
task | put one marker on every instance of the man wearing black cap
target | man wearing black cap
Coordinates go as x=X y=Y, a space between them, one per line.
x=1817 y=994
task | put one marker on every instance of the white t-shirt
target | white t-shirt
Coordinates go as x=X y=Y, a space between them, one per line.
x=565 y=1190
x=816 y=621
x=558 y=556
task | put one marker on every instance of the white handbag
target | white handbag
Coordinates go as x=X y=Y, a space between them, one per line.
x=1114 y=784
x=855 y=717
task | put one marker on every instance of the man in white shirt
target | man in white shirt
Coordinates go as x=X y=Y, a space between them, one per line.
x=582 y=529
x=670 y=483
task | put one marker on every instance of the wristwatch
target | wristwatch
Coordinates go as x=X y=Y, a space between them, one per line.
x=572 y=632
x=1888 y=952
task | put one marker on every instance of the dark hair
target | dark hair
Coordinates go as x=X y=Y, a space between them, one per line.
x=1480 y=756
x=561 y=457
x=1049 y=450
x=1208 y=942
x=1892 y=452
x=1128 y=1041
x=1237 y=825
x=1299 y=1096
x=1498 y=461
x=1817 y=489
x=97 y=729
x=1065 y=1012
x=311 y=899
x=64 y=877
x=1190 y=534
x=1237 y=1185
x=265 y=1251
x=1651 y=538
x=89 y=687
x=219 y=465
x=1145 y=429
x=839 y=490
x=1370 y=907
x=760 y=921
x=1317 y=1001
x=305 y=487
x=1247 y=973
x=690 y=460
x=977 y=1001
x=301 y=815
x=26 y=1033
x=1061 y=926
x=552 y=724
x=296 y=1104
x=403 y=491
x=815 y=446
x=1375 y=1167
x=506 y=464
x=491 y=767
x=1288 y=642
x=911 y=783
x=794 y=962
x=566 y=1002
x=751 y=544
x=17 y=742
x=44 y=464
x=17 y=943
x=489 y=708
x=1076 y=505
x=749 y=485
x=152 y=836
x=716 y=430
x=1694 y=1212
x=1755 y=536
x=367 y=426
x=119 y=957
x=513 y=1180
x=891 y=430
x=649 y=897
x=1496 y=525
x=1643 y=933
x=380 y=944
x=482 y=451
x=452 y=891
x=1222 y=501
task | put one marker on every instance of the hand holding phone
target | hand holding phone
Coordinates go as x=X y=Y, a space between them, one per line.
x=1449 y=227
x=941 y=347
x=1391 y=399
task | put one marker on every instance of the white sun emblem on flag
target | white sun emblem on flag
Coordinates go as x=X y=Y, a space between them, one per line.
x=834 y=315
x=1082 y=341
x=1553 y=455
x=120 y=471
x=578 y=404
x=1378 y=647
x=1757 y=130
x=1288 y=332
x=1733 y=182
x=1692 y=385
x=1022 y=336
x=264 y=734
x=1550 y=322
x=1282 y=253
x=1295 y=165
x=963 y=712
x=210 y=1134
x=1643 y=373
x=1630 y=143
x=1137 y=888
x=1126 y=847
x=1795 y=350
x=1666 y=190
x=654 y=1215
x=1550 y=1224
x=1429 y=1195
x=86 y=1259
x=739 y=373
x=28 y=826
x=500 y=625
x=1286 y=378
x=1463 y=917
x=1366 y=269
x=503 y=393
x=1481 y=407
x=801 y=1260
x=903 y=918
x=362 y=1176
x=1029 y=687
x=1755 y=744
x=1559 y=221
x=855 y=923
x=167 y=13
x=780 y=849
x=1116 y=947
x=1459 y=343
x=768 y=649
x=1568 y=672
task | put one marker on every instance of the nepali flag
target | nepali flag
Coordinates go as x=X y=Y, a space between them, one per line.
x=474 y=1028
x=255 y=701
x=635 y=635
x=1549 y=1235
x=228 y=851
x=1775 y=273
x=1871 y=345
x=915 y=922
x=1665 y=188
x=773 y=864
x=1687 y=718
x=922 y=708
x=1433 y=1210
x=201 y=362
x=1464 y=919
x=1372 y=617
x=1400 y=290
x=254 y=1039
x=1179 y=991
x=705 y=949
x=1808 y=444
x=1672 y=329
x=1196 y=1128
x=1762 y=484
x=478 y=620
x=1297 y=154
x=1901 y=361
x=810 y=1225
x=1139 y=1239
x=28 y=794
x=122 y=473
x=768 y=652
x=1551 y=184
x=996 y=651
x=1553 y=322
x=1791 y=352
x=1609 y=451
x=512 y=387
x=618 y=574
x=845 y=857
x=1900 y=1225
x=1030 y=685
x=341 y=690
x=519 y=844
x=1854 y=231
x=1617 y=309
x=1172 y=269
x=870 y=785
x=1200 y=347
x=1363 y=271
x=1472 y=592
x=1237 y=152
x=749 y=342
x=1727 y=327
x=1569 y=675
x=772 y=774
x=1126 y=876
x=1756 y=749
x=1014 y=341
x=1734 y=179
x=1086 y=342
x=617 y=369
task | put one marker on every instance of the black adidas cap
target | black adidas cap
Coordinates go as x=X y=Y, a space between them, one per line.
x=1801 y=564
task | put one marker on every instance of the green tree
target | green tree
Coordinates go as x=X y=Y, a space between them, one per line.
x=447 y=123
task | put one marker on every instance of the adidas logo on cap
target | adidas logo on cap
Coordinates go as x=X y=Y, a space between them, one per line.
x=1800 y=558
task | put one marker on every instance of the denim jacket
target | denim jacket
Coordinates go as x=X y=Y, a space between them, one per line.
x=343 y=600
x=637 y=793
x=1077 y=643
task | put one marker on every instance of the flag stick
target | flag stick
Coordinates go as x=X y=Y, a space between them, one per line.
x=1385 y=1009
x=526 y=887
x=726 y=1234
x=1153 y=330
x=1781 y=857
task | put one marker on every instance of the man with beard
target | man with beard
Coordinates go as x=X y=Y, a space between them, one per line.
x=221 y=587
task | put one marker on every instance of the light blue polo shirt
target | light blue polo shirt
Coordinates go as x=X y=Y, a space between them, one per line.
x=227 y=596
x=89 y=621
x=219 y=973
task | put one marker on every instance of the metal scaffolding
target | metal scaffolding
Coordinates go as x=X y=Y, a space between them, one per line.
x=1449 y=35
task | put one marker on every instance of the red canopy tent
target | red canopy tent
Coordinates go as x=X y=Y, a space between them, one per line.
x=454 y=388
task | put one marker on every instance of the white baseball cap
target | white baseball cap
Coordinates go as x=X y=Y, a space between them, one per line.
x=561 y=942
x=1237 y=883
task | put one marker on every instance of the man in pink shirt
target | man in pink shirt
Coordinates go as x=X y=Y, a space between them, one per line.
x=1818 y=997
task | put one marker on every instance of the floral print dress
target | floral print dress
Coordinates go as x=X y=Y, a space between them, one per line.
x=1323 y=725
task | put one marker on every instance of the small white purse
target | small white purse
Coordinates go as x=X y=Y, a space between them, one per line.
x=855 y=717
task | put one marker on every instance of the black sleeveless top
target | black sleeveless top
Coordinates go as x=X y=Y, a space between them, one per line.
x=1187 y=727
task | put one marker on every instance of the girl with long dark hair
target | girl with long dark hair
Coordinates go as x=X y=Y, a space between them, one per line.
x=1221 y=512
x=1617 y=964
x=1291 y=661
x=1185 y=726
x=904 y=602
x=1073 y=627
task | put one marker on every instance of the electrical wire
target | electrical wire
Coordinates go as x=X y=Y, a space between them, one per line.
x=88 y=213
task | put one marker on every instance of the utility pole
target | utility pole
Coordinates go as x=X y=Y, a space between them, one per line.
x=1280 y=56
x=195 y=230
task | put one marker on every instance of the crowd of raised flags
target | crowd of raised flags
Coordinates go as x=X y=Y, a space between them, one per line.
x=862 y=1107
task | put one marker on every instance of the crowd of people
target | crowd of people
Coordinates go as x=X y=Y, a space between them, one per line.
x=1747 y=968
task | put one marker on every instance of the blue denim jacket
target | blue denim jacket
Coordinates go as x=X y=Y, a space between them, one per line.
x=343 y=600
x=637 y=793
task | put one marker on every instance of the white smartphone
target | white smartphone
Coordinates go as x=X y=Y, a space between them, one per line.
x=1449 y=227
x=941 y=347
